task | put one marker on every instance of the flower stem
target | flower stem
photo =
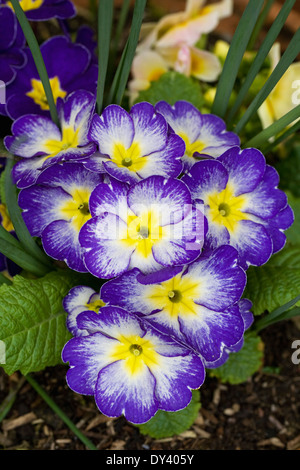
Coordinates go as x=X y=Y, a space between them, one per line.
x=60 y=413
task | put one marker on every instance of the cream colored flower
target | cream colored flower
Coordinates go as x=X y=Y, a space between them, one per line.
x=286 y=94
x=185 y=27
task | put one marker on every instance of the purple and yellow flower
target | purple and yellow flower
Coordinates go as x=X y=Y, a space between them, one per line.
x=195 y=304
x=12 y=42
x=130 y=368
x=204 y=135
x=42 y=10
x=148 y=225
x=80 y=299
x=134 y=145
x=41 y=143
x=70 y=67
x=243 y=205
x=56 y=207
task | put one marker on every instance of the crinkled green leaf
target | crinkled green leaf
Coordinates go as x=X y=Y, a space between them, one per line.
x=243 y=364
x=167 y=424
x=32 y=321
x=172 y=87
x=276 y=283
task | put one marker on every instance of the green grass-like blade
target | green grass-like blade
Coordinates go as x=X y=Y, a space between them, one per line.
x=285 y=135
x=274 y=129
x=105 y=19
x=37 y=57
x=260 y=22
x=25 y=239
x=4 y=280
x=234 y=57
x=261 y=56
x=279 y=314
x=16 y=254
x=286 y=60
x=123 y=70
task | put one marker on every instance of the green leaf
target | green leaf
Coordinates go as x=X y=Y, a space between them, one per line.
x=105 y=18
x=286 y=60
x=293 y=233
x=290 y=180
x=172 y=87
x=15 y=213
x=262 y=51
x=32 y=321
x=121 y=77
x=243 y=364
x=234 y=57
x=276 y=283
x=167 y=424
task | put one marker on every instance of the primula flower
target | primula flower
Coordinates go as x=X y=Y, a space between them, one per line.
x=42 y=10
x=196 y=304
x=70 y=67
x=134 y=145
x=130 y=369
x=12 y=42
x=41 y=143
x=56 y=207
x=243 y=205
x=187 y=26
x=204 y=135
x=148 y=225
x=286 y=94
x=149 y=65
x=80 y=299
x=244 y=306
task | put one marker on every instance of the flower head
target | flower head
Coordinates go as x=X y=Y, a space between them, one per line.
x=134 y=145
x=131 y=369
x=12 y=42
x=42 y=10
x=197 y=304
x=57 y=206
x=147 y=225
x=243 y=204
x=41 y=143
x=70 y=67
x=80 y=299
x=204 y=135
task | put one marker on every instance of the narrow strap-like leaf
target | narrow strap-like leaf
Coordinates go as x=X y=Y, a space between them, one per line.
x=261 y=56
x=234 y=57
x=274 y=129
x=105 y=18
x=286 y=60
x=291 y=131
x=123 y=70
x=37 y=57
x=279 y=314
x=11 y=198
x=260 y=22
x=4 y=280
x=16 y=254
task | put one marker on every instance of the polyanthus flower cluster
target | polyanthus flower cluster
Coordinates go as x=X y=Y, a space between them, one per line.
x=162 y=205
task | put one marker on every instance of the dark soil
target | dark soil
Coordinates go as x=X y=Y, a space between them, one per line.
x=260 y=414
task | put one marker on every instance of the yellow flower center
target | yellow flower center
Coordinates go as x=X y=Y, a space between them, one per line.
x=6 y=222
x=37 y=93
x=226 y=209
x=28 y=4
x=191 y=147
x=137 y=353
x=176 y=296
x=144 y=231
x=69 y=140
x=95 y=305
x=130 y=158
x=77 y=209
